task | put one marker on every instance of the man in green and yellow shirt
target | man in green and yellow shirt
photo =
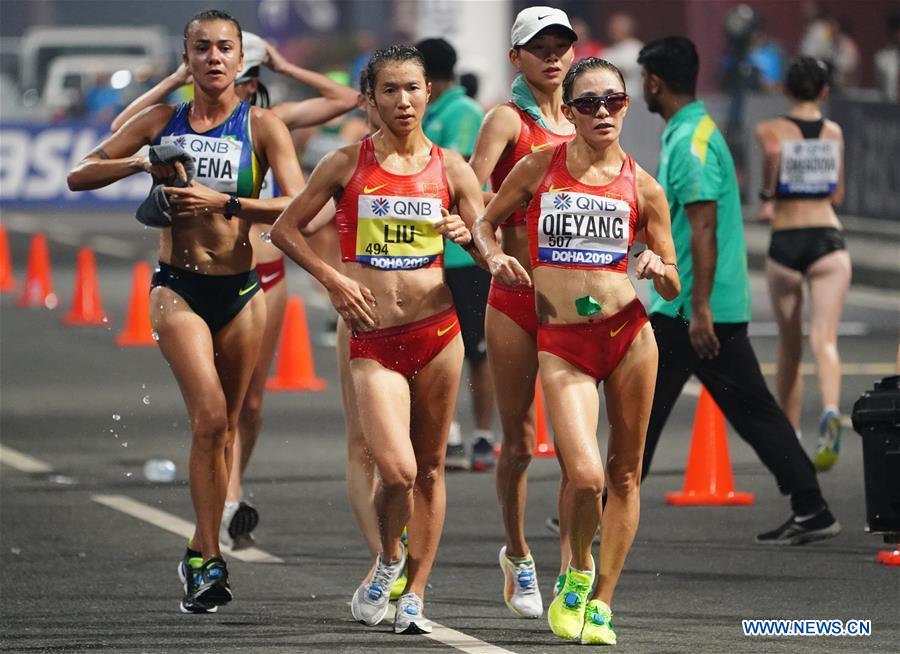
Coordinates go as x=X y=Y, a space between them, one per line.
x=703 y=331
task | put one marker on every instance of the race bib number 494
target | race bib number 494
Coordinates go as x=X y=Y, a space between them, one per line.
x=397 y=233
x=809 y=166
x=578 y=229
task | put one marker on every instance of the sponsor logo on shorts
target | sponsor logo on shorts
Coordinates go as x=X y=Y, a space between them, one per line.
x=265 y=279
x=441 y=332
x=244 y=291
x=613 y=334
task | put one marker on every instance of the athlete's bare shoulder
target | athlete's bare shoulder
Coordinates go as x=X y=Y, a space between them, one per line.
x=501 y=122
x=648 y=187
x=832 y=130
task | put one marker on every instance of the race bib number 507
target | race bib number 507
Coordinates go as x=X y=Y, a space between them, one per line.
x=578 y=229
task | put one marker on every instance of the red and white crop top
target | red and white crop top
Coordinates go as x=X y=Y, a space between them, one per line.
x=386 y=220
x=532 y=138
x=576 y=225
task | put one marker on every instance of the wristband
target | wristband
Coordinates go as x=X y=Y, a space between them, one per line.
x=766 y=196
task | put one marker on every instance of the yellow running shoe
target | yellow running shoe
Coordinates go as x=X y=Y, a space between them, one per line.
x=566 y=614
x=598 y=627
x=400 y=585
x=829 y=446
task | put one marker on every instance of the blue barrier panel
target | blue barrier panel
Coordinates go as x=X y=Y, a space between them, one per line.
x=34 y=162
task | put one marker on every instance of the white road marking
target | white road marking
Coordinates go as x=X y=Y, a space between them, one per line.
x=454 y=638
x=22 y=462
x=770 y=328
x=176 y=525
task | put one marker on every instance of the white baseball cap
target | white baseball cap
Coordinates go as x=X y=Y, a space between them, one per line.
x=532 y=20
x=254 y=55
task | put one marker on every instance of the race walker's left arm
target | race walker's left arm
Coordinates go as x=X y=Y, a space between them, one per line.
x=658 y=262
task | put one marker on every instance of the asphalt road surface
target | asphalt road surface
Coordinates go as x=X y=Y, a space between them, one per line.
x=88 y=548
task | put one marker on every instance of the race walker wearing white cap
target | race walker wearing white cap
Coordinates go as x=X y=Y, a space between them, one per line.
x=532 y=20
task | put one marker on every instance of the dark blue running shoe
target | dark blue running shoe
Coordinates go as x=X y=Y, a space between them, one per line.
x=190 y=575
x=211 y=587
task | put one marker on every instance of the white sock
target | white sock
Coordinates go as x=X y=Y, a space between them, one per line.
x=831 y=408
x=455 y=435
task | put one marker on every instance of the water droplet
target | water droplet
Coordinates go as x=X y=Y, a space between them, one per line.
x=143 y=385
x=116 y=417
x=313 y=596
x=174 y=301
x=128 y=474
x=155 y=335
x=266 y=236
x=82 y=555
x=16 y=550
x=62 y=479
x=105 y=319
x=125 y=444
x=146 y=399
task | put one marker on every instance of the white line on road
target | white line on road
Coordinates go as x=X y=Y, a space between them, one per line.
x=22 y=462
x=176 y=525
x=456 y=639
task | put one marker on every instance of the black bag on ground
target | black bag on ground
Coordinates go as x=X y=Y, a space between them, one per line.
x=876 y=417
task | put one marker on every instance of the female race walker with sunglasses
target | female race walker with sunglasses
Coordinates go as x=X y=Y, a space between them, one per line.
x=393 y=192
x=803 y=175
x=205 y=304
x=587 y=199
x=532 y=121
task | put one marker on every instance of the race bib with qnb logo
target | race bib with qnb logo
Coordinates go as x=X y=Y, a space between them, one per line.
x=217 y=160
x=397 y=233
x=809 y=167
x=578 y=229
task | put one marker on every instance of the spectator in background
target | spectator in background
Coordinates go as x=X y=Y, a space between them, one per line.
x=102 y=102
x=452 y=121
x=817 y=36
x=469 y=81
x=767 y=58
x=623 y=50
x=845 y=57
x=585 y=46
x=887 y=62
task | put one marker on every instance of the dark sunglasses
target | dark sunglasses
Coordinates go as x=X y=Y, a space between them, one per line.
x=590 y=104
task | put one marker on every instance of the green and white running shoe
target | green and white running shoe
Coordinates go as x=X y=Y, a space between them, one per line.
x=566 y=614
x=598 y=627
x=829 y=441
x=400 y=585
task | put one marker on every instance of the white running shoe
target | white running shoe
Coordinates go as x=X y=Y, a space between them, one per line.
x=520 y=588
x=410 y=617
x=370 y=601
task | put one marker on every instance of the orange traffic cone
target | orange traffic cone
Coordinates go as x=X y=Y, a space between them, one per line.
x=86 y=307
x=296 y=370
x=890 y=557
x=7 y=282
x=708 y=479
x=137 y=330
x=38 y=291
x=543 y=445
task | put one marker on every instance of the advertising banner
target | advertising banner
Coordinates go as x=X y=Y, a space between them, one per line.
x=35 y=160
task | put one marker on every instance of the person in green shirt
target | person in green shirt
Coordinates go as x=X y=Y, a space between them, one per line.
x=703 y=331
x=452 y=121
